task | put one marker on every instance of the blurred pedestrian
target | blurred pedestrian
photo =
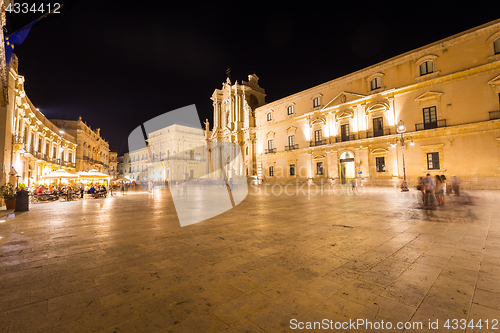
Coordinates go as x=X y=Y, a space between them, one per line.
x=429 y=185
x=445 y=188
x=404 y=186
x=439 y=190
x=354 y=184
x=455 y=183
x=420 y=187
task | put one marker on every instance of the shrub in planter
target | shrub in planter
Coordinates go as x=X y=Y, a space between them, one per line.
x=8 y=193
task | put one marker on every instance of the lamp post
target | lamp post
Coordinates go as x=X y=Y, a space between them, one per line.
x=401 y=129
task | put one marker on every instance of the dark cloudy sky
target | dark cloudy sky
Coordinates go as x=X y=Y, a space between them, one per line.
x=121 y=63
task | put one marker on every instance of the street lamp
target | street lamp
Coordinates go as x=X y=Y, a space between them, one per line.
x=401 y=129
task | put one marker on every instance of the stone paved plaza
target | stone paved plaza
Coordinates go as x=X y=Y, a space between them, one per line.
x=124 y=264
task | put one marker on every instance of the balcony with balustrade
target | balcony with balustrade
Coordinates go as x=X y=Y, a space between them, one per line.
x=494 y=115
x=270 y=151
x=291 y=147
x=377 y=133
x=316 y=143
x=430 y=125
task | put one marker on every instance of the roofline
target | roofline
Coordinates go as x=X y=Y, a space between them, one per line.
x=455 y=36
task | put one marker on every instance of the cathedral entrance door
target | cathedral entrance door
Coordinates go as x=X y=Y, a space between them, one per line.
x=346 y=169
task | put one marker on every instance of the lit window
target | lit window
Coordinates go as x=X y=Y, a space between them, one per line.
x=496 y=44
x=317 y=136
x=290 y=110
x=269 y=116
x=316 y=102
x=376 y=83
x=380 y=163
x=319 y=168
x=430 y=117
x=426 y=68
x=271 y=171
x=433 y=161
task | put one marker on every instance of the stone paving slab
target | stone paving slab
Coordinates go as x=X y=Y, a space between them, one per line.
x=124 y=264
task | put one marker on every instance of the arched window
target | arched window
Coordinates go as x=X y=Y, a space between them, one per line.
x=316 y=102
x=496 y=45
x=376 y=83
x=269 y=116
x=426 y=67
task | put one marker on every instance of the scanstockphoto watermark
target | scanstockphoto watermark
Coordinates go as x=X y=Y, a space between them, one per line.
x=304 y=189
x=358 y=324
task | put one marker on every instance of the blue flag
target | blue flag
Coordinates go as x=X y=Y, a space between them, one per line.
x=16 y=38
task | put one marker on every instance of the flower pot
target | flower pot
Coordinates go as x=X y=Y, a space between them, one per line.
x=10 y=204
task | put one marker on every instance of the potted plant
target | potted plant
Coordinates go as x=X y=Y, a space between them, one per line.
x=8 y=193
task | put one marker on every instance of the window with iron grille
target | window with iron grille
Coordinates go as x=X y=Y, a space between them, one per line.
x=270 y=144
x=271 y=171
x=426 y=68
x=290 y=110
x=376 y=83
x=291 y=141
x=292 y=169
x=316 y=102
x=430 y=115
x=380 y=163
x=317 y=135
x=344 y=130
x=433 y=161
x=496 y=44
x=319 y=168
x=378 y=124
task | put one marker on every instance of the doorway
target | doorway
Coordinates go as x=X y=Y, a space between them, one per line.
x=347 y=167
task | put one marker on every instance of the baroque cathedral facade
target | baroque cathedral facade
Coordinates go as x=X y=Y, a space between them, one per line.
x=235 y=108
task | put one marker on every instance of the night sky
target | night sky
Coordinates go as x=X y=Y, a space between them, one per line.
x=121 y=63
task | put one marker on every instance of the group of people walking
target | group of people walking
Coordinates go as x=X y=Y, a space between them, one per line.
x=434 y=190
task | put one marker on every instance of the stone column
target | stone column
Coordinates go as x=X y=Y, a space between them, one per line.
x=364 y=165
x=333 y=165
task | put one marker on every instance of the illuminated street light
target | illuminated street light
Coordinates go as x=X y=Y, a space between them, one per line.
x=401 y=129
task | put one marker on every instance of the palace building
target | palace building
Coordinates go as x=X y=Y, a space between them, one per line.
x=174 y=153
x=30 y=144
x=92 y=151
x=446 y=95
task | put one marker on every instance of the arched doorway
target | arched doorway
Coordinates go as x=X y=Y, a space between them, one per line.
x=347 y=168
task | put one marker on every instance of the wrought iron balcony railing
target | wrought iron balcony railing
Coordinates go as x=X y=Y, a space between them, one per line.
x=270 y=151
x=343 y=138
x=318 y=143
x=296 y=146
x=494 y=115
x=376 y=133
x=18 y=139
x=430 y=125
x=69 y=164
